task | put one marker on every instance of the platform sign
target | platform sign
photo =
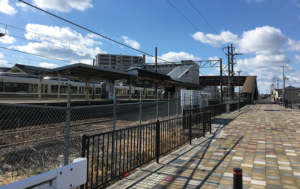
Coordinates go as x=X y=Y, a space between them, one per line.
x=111 y=94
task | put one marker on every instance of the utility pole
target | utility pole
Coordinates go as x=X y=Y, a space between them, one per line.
x=232 y=65
x=239 y=89
x=228 y=67
x=221 y=82
x=156 y=69
x=232 y=73
x=283 y=91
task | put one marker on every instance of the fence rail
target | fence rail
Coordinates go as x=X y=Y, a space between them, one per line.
x=112 y=154
x=32 y=137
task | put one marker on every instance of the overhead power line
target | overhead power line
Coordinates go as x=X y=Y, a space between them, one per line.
x=39 y=34
x=189 y=21
x=54 y=46
x=68 y=61
x=206 y=20
x=89 y=30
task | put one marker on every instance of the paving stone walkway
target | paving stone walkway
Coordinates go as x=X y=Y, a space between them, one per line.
x=263 y=140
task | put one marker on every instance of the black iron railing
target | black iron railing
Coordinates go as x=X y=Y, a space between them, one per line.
x=111 y=155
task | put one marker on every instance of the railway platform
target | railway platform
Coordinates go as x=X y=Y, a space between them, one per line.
x=262 y=139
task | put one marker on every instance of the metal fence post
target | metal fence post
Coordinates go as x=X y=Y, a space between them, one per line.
x=157 y=146
x=204 y=123
x=67 y=134
x=141 y=96
x=114 y=133
x=157 y=106
x=210 y=122
x=177 y=96
x=191 y=118
x=83 y=149
x=140 y=128
x=169 y=105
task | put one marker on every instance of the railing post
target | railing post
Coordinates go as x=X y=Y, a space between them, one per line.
x=141 y=96
x=83 y=149
x=169 y=105
x=156 y=105
x=191 y=108
x=177 y=100
x=210 y=123
x=67 y=134
x=140 y=128
x=83 y=145
x=204 y=123
x=157 y=141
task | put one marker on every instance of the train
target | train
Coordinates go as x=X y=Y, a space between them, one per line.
x=21 y=86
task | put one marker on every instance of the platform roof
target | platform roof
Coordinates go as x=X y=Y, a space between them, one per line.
x=29 y=70
x=84 y=71
x=87 y=71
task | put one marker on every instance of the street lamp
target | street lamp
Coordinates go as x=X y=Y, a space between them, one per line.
x=239 y=89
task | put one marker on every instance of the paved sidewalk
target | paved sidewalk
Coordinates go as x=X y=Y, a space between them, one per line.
x=263 y=140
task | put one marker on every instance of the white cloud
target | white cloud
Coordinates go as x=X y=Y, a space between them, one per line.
x=48 y=65
x=216 y=40
x=261 y=39
x=297 y=58
x=132 y=43
x=64 y=5
x=68 y=44
x=214 y=58
x=61 y=33
x=6 y=8
x=2 y=61
x=22 y=5
x=173 y=57
x=6 y=39
x=294 y=45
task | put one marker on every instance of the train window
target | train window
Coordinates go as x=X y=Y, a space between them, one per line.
x=79 y=90
x=63 y=89
x=1 y=86
x=98 y=90
x=46 y=88
x=35 y=88
x=74 y=89
x=18 y=87
x=42 y=88
x=54 y=88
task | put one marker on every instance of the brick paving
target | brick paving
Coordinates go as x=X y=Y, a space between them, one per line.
x=263 y=140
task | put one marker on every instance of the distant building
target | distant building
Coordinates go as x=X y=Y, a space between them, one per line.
x=4 y=69
x=118 y=62
x=292 y=94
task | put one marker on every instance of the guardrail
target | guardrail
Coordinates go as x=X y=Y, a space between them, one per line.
x=69 y=176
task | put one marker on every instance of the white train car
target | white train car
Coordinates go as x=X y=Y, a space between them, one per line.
x=148 y=93
x=19 y=86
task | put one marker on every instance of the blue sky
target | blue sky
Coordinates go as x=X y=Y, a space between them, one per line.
x=265 y=31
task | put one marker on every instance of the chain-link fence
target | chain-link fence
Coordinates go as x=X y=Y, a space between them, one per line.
x=33 y=138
